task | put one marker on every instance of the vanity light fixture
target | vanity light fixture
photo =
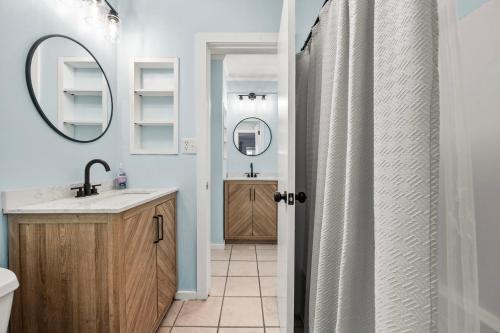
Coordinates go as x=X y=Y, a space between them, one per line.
x=94 y=15
x=99 y=14
x=252 y=96
x=113 y=25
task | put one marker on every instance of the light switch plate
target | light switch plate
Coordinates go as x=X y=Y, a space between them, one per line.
x=189 y=146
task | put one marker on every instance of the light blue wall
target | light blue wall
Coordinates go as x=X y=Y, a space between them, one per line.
x=306 y=13
x=217 y=154
x=167 y=29
x=32 y=155
x=267 y=163
x=465 y=7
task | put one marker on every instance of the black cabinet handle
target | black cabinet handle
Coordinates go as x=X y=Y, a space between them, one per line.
x=254 y=194
x=157 y=236
x=160 y=228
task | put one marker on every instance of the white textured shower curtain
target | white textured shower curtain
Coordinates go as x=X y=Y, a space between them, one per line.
x=368 y=84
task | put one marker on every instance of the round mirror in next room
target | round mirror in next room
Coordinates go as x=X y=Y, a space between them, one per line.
x=69 y=88
x=252 y=136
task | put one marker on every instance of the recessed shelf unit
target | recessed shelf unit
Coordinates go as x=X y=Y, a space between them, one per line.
x=154 y=106
x=83 y=97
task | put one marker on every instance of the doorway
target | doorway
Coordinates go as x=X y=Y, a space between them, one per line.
x=215 y=46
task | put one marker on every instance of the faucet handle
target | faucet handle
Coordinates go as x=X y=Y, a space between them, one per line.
x=94 y=189
x=80 y=193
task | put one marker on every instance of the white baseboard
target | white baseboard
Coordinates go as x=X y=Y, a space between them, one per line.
x=185 y=295
x=218 y=246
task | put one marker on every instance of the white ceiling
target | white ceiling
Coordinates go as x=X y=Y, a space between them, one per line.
x=251 y=67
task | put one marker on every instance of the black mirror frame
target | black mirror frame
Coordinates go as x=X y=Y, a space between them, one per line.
x=270 y=139
x=29 y=83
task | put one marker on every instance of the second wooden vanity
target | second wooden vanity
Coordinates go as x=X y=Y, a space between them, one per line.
x=99 y=272
x=250 y=212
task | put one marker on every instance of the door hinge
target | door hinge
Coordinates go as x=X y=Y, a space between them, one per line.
x=206 y=185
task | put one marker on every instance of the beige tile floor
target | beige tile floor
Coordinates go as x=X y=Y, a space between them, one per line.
x=242 y=299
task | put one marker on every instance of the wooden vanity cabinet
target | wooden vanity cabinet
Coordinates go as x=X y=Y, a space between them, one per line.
x=94 y=272
x=250 y=212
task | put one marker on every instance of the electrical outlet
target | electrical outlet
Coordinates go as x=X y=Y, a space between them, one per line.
x=189 y=146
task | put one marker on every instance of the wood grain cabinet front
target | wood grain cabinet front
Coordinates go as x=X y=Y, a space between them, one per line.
x=250 y=212
x=94 y=272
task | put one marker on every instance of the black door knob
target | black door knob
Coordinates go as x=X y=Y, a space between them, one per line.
x=301 y=197
x=278 y=196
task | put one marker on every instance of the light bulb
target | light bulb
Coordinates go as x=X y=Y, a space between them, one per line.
x=95 y=14
x=113 y=26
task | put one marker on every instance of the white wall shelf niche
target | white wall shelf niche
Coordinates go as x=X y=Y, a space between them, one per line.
x=154 y=106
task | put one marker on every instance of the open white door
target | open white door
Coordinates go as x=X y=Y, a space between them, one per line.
x=286 y=151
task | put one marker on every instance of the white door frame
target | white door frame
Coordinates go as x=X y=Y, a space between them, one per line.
x=207 y=45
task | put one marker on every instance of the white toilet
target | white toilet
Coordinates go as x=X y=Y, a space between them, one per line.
x=8 y=283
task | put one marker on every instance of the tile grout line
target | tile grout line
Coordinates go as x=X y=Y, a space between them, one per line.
x=260 y=292
x=225 y=285
x=177 y=316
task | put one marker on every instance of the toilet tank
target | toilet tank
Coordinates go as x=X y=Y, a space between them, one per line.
x=8 y=283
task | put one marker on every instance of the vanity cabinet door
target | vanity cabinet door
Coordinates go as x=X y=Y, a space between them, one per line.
x=141 y=291
x=166 y=256
x=264 y=210
x=239 y=209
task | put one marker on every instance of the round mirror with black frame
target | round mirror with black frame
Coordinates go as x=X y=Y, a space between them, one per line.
x=252 y=136
x=69 y=88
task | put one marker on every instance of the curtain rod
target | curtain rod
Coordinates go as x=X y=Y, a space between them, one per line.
x=113 y=10
x=310 y=33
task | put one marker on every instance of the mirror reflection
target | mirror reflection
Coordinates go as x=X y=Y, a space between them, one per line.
x=69 y=88
x=252 y=136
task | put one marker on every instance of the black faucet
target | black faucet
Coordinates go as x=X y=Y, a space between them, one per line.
x=251 y=174
x=87 y=188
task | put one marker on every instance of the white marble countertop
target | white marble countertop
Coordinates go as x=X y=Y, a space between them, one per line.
x=108 y=202
x=268 y=178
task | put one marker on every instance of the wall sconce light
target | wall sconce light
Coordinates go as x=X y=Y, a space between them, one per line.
x=113 y=25
x=96 y=16
x=99 y=14
x=252 y=96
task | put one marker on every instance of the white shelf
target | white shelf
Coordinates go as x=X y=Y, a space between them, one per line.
x=81 y=62
x=154 y=93
x=83 y=92
x=154 y=123
x=156 y=63
x=83 y=122
x=154 y=77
